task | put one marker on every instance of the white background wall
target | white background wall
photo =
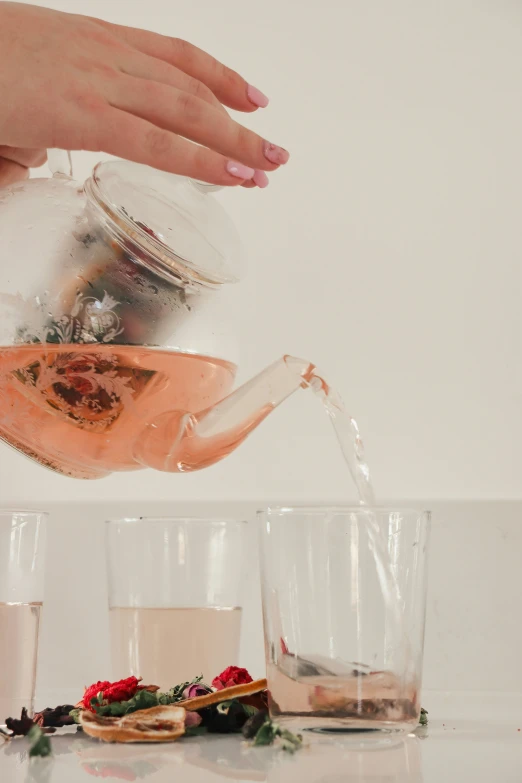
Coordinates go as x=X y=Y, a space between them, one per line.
x=388 y=252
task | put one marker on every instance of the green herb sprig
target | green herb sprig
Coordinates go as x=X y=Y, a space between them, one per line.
x=40 y=742
x=270 y=732
x=263 y=731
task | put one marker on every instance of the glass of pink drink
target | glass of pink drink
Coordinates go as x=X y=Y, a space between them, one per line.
x=174 y=597
x=22 y=555
x=344 y=599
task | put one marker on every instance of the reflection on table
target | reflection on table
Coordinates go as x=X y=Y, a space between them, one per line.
x=355 y=758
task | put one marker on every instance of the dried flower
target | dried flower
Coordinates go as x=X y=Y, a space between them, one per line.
x=192 y=720
x=196 y=689
x=233 y=675
x=108 y=692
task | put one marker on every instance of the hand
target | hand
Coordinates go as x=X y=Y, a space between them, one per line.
x=71 y=82
x=15 y=163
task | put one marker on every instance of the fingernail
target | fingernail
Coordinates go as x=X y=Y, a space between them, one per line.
x=275 y=154
x=257 y=97
x=260 y=179
x=239 y=170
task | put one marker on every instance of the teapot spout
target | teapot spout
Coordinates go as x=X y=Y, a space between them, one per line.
x=181 y=442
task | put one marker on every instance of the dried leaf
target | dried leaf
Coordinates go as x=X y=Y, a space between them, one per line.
x=20 y=727
x=254 y=723
x=195 y=731
x=75 y=714
x=55 y=718
x=269 y=732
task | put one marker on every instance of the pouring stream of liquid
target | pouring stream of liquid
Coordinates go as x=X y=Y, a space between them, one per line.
x=352 y=447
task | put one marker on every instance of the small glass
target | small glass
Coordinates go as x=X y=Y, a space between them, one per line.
x=22 y=561
x=344 y=600
x=174 y=597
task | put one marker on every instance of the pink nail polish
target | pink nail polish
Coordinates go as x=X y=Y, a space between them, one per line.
x=239 y=170
x=257 y=97
x=275 y=154
x=260 y=179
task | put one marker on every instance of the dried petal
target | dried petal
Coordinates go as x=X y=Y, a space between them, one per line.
x=232 y=675
x=192 y=719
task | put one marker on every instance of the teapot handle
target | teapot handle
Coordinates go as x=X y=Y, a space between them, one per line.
x=205 y=187
x=60 y=162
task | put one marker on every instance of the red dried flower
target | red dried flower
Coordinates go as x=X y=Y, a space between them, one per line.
x=122 y=690
x=233 y=675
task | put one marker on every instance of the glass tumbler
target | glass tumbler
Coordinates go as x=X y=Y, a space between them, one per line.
x=344 y=600
x=22 y=561
x=174 y=597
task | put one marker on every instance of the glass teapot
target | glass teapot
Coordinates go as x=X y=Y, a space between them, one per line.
x=116 y=342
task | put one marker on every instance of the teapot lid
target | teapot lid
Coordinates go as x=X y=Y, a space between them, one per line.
x=173 y=216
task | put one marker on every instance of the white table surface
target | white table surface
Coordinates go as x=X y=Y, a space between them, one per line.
x=462 y=750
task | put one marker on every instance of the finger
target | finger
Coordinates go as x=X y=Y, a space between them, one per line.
x=25 y=157
x=227 y=85
x=194 y=119
x=152 y=69
x=11 y=172
x=260 y=179
x=133 y=138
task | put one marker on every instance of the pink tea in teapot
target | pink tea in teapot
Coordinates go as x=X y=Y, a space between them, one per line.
x=62 y=403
